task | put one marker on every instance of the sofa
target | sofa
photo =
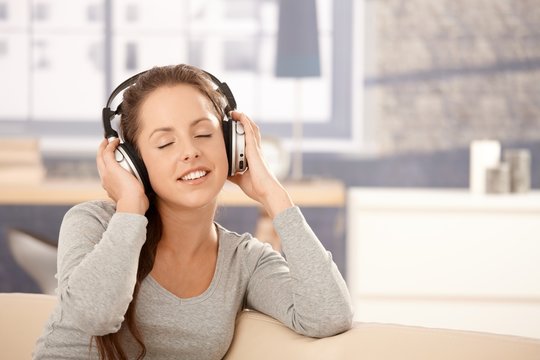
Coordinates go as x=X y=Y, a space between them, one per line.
x=258 y=336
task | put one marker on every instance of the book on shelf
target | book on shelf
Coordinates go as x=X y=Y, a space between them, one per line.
x=20 y=161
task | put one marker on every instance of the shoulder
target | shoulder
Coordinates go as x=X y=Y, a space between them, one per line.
x=245 y=248
x=238 y=242
x=98 y=210
x=96 y=206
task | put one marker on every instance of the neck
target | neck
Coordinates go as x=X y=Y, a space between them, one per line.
x=186 y=231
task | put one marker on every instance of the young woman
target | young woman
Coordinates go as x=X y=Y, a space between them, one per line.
x=151 y=275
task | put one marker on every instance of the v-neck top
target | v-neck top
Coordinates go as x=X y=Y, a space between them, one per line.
x=97 y=265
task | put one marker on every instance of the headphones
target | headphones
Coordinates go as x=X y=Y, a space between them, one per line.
x=126 y=155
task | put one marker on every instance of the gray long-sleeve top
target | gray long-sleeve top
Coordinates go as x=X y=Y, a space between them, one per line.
x=97 y=266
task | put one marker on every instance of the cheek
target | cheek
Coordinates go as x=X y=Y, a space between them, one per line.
x=155 y=168
x=221 y=154
x=155 y=165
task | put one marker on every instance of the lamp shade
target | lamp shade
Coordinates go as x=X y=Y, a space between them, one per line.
x=298 y=39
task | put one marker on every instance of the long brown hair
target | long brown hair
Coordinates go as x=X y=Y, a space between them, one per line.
x=110 y=346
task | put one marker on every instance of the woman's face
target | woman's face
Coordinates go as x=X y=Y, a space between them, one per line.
x=181 y=143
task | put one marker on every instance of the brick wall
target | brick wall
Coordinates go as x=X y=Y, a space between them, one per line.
x=446 y=72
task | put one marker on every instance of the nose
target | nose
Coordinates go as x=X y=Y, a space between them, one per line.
x=190 y=152
x=188 y=157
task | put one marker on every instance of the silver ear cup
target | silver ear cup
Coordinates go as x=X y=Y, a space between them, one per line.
x=123 y=159
x=239 y=146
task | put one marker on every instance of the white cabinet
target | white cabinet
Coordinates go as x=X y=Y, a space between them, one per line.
x=445 y=258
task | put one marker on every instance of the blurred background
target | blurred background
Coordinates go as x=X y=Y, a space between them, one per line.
x=399 y=91
x=365 y=93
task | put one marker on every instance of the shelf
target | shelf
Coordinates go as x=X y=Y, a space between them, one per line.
x=316 y=193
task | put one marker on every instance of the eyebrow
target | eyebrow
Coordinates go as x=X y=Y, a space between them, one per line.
x=169 y=128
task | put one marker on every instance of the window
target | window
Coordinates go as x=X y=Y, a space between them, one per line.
x=78 y=55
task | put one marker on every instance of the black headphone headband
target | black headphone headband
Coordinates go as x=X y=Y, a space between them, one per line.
x=108 y=114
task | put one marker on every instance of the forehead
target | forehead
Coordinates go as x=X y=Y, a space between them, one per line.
x=180 y=95
x=175 y=103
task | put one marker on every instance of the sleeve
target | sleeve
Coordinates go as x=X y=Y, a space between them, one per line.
x=97 y=266
x=306 y=291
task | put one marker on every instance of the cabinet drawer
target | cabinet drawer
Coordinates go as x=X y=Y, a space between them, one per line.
x=433 y=243
x=438 y=253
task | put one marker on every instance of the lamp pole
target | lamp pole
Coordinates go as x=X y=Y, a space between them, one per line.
x=297 y=58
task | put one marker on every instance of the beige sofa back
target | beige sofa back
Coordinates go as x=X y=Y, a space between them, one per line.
x=258 y=336
x=22 y=317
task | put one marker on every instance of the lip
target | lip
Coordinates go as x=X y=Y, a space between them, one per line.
x=192 y=170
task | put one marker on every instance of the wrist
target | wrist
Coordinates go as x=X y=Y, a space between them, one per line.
x=277 y=202
x=132 y=205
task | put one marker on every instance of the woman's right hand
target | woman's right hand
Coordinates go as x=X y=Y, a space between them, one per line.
x=121 y=186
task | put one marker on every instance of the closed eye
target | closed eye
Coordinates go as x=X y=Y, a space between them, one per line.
x=164 y=145
x=204 y=136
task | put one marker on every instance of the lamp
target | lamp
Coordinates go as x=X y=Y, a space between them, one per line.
x=297 y=57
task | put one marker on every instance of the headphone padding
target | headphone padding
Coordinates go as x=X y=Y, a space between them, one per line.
x=227 y=136
x=138 y=164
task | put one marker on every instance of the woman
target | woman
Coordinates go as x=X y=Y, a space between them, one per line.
x=151 y=275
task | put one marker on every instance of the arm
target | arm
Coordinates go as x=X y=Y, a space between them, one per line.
x=97 y=266
x=258 y=182
x=99 y=250
x=306 y=292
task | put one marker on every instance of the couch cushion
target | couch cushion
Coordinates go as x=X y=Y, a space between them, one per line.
x=22 y=317
x=260 y=337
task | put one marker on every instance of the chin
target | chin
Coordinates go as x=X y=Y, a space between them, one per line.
x=192 y=200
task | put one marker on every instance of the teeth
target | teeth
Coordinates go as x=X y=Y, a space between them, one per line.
x=194 y=175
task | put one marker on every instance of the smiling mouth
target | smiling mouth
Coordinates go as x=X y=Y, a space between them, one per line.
x=194 y=175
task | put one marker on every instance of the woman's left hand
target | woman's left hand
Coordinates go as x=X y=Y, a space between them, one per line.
x=258 y=182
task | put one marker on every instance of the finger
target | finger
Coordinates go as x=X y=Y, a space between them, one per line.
x=244 y=119
x=108 y=152
x=99 y=155
x=103 y=144
x=101 y=148
x=249 y=125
